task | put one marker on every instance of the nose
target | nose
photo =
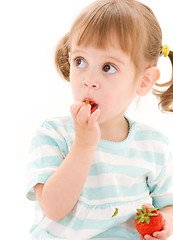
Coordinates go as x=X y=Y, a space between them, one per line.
x=91 y=84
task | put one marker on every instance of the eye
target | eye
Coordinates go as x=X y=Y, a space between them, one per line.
x=79 y=62
x=109 y=68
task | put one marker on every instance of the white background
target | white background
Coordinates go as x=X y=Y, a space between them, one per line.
x=31 y=91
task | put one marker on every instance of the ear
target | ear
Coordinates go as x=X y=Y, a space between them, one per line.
x=147 y=80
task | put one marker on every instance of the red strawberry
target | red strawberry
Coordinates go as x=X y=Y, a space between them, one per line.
x=148 y=221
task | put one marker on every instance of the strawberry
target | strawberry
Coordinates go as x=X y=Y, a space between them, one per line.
x=148 y=221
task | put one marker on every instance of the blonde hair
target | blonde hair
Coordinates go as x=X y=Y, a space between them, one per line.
x=138 y=32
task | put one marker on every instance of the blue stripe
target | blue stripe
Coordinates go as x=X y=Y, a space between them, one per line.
x=118 y=232
x=114 y=191
x=76 y=223
x=160 y=189
x=108 y=204
x=162 y=202
x=43 y=162
x=42 y=140
x=114 y=232
x=103 y=168
x=151 y=135
x=56 y=124
x=152 y=177
x=41 y=178
x=41 y=234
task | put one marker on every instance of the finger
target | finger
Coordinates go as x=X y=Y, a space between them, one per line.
x=141 y=237
x=160 y=235
x=75 y=107
x=148 y=206
x=165 y=222
x=84 y=113
x=149 y=237
x=94 y=117
x=164 y=232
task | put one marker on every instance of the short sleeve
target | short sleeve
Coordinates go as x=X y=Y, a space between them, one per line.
x=161 y=187
x=47 y=151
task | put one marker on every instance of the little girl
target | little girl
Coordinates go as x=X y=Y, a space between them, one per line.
x=84 y=166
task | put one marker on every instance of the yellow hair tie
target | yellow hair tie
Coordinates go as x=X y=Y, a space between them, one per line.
x=165 y=50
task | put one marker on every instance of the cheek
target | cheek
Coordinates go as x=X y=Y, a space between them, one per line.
x=75 y=85
x=117 y=97
x=74 y=89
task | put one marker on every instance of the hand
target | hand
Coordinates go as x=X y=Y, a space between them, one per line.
x=87 y=130
x=164 y=234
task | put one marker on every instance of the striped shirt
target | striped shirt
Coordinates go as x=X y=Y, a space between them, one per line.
x=122 y=175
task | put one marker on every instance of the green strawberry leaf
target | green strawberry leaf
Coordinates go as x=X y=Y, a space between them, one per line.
x=137 y=217
x=152 y=214
x=141 y=220
x=152 y=210
x=139 y=211
x=147 y=220
x=144 y=209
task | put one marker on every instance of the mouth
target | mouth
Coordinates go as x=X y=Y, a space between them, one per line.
x=94 y=106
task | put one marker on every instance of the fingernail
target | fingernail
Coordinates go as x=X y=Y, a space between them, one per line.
x=88 y=105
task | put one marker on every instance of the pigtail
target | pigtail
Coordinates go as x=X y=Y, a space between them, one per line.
x=62 y=57
x=166 y=96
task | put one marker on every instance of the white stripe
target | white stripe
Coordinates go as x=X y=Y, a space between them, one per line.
x=38 y=215
x=44 y=151
x=58 y=134
x=41 y=131
x=96 y=213
x=153 y=146
x=144 y=127
x=110 y=179
x=113 y=200
x=109 y=238
x=169 y=173
x=66 y=232
x=36 y=172
x=129 y=224
x=170 y=168
x=167 y=195
x=122 y=161
x=55 y=133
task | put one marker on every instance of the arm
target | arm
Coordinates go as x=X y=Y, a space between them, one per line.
x=61 y=191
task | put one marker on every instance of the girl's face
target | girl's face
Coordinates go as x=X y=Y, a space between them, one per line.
x=106 y=77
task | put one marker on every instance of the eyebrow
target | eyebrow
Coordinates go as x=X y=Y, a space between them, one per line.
x=106 y=56
x=116 y=59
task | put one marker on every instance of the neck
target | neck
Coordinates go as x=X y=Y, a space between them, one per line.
x=117 y=131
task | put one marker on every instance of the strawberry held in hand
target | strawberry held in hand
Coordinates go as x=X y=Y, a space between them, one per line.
x=148 y=221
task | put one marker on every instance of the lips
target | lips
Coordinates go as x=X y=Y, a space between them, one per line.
x=94 y=105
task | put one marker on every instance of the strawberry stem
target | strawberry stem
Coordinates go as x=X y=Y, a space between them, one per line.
x=144 y=215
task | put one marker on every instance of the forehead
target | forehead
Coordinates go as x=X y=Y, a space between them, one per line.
x=111 y=47
x=109 y=42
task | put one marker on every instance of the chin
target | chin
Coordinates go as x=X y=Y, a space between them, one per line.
x=102 y=119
